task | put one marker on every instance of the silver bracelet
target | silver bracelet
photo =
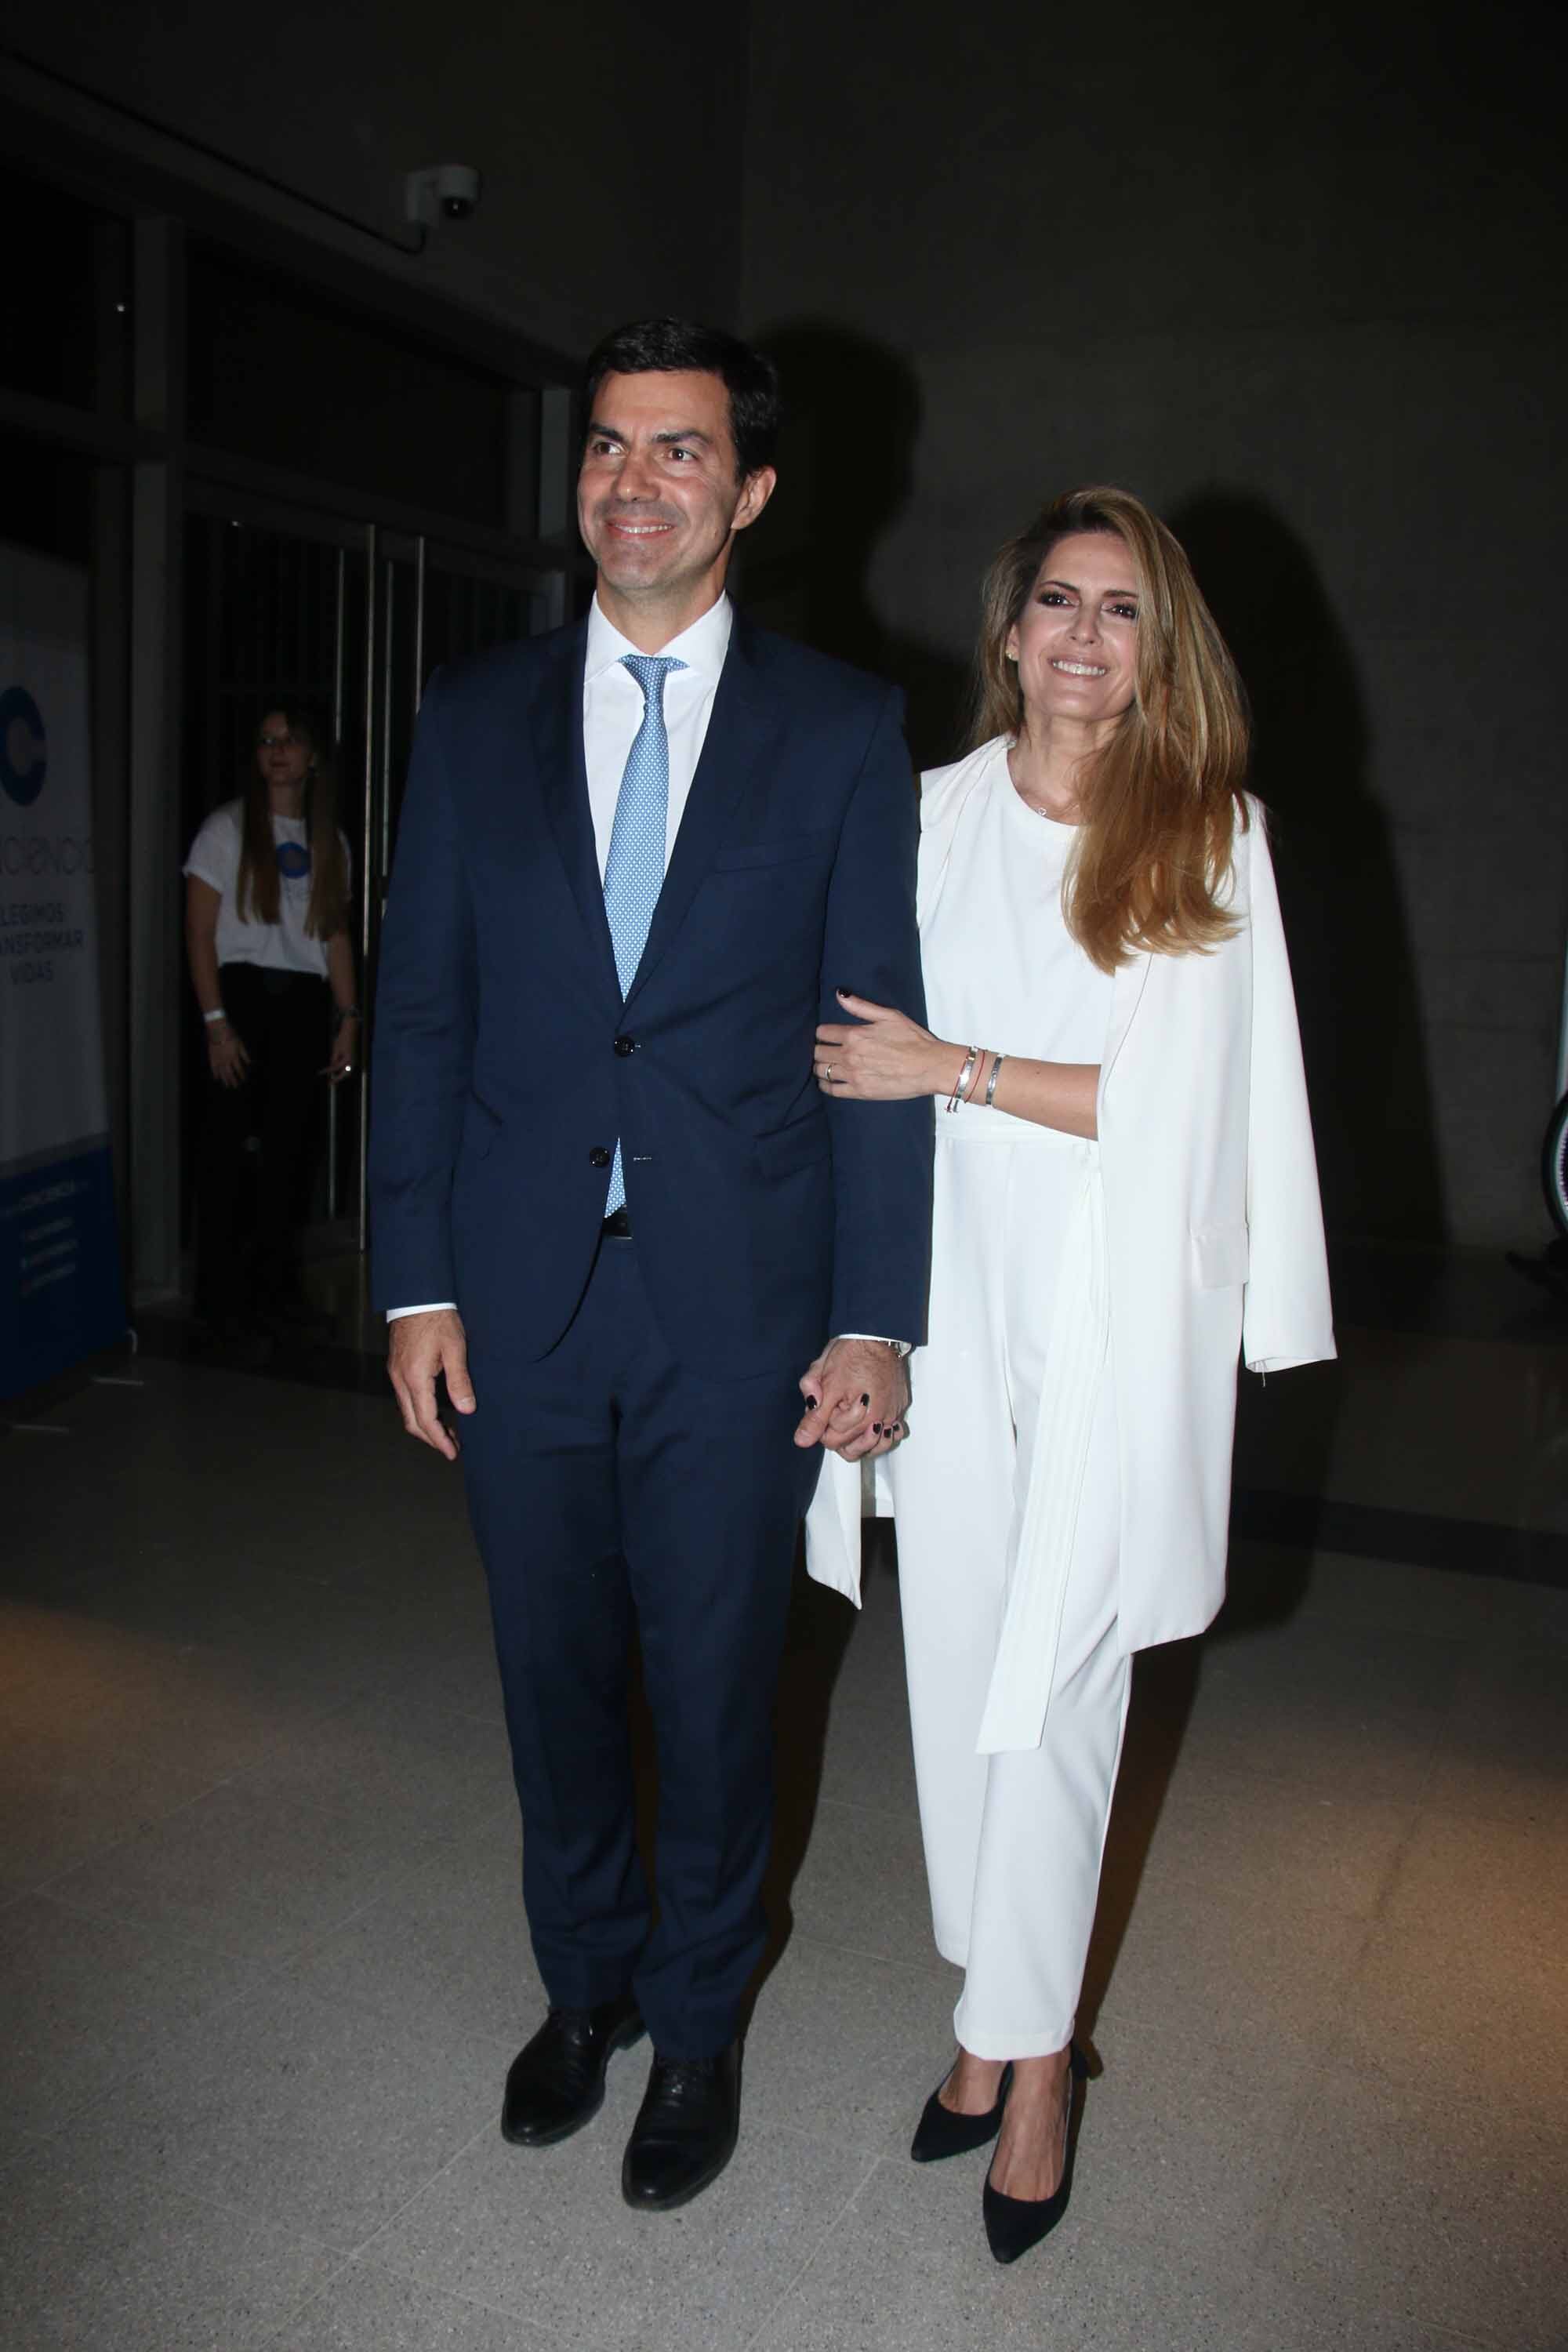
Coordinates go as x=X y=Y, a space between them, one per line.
x=210 y=1017
x=991 y=1082
x=956 y=1097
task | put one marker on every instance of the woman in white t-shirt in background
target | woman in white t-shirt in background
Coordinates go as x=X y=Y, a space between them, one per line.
x=266 y=907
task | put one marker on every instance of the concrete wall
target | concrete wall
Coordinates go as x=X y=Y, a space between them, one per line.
x=1296 y=277
x=1293 y=274
x=610 y=150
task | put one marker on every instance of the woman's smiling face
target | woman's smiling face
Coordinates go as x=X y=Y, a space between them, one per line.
x=1076 y=641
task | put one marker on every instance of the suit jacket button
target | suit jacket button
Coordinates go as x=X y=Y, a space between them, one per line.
x=625 y=1045
x=599 y=1157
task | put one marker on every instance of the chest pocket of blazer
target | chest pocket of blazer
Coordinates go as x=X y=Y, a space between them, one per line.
x=781 y=850
x=1219 y=1257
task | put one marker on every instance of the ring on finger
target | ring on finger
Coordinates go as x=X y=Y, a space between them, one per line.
x=828 y=1072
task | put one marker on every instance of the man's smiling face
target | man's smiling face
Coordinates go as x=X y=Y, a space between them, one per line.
x=657 y=497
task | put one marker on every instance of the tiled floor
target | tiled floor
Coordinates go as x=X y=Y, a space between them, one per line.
x=262 y=1966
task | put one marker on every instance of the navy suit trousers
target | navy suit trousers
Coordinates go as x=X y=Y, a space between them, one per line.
x=618 y=1497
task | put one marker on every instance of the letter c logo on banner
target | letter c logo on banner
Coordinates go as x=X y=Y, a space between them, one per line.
x=24 y=753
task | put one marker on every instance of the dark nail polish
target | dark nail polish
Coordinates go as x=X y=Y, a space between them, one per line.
x=814 y=1402
x=866 y=1399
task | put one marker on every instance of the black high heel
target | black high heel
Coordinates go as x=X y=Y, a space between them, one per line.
x=941 y=2132
x=1013 y=2224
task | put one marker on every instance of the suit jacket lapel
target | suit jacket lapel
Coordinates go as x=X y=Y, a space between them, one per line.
x=744 y=720
x=563 y=786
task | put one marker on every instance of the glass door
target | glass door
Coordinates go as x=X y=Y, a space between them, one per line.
x=278 y=609
x=285 y=604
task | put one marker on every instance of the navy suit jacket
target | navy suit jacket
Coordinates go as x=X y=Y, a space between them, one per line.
x=506 y=1063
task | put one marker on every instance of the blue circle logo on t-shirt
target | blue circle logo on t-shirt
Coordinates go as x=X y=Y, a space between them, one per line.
x=24 y=753
x=294 y=860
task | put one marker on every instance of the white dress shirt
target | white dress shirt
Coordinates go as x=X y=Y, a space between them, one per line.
x=613 y=707
x=613 y=712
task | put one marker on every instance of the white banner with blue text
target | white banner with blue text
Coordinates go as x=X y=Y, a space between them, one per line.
x=60 y=1290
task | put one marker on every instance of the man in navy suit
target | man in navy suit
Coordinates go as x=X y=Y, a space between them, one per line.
x=635 y=860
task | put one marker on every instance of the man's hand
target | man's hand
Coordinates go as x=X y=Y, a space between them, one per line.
x=419 y=1348
x=857 y=1395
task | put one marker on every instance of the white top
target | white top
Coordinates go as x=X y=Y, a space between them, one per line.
x=1214 y=1232
x=282 y=946
x=613 y=712
x=1002 y=970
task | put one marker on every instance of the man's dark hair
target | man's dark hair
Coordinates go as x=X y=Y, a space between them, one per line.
x=681 y=346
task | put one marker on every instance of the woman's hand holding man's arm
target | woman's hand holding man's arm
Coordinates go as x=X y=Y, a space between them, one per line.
x=881 y=1056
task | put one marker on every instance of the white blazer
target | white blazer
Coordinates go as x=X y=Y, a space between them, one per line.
x=1213 y=1231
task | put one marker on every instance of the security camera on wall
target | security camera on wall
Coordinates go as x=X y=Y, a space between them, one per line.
x=441 y=191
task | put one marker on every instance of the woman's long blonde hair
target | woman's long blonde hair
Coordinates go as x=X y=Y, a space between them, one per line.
x=1161 y=801
x=257 y=894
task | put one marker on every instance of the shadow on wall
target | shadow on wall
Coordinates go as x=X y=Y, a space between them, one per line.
x=852 y=418
x=1349 y=949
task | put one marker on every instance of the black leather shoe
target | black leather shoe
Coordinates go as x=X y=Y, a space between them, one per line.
x=556 y=2083
x=1013 y=2224
x=686 y=2130
x=941 y=2132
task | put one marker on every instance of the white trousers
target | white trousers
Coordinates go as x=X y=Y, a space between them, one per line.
x=1013 y=1840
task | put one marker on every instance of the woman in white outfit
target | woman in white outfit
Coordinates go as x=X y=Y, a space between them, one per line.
x=1125 y=1196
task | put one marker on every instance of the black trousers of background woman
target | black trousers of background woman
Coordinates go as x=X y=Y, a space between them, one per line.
x=262 y=1131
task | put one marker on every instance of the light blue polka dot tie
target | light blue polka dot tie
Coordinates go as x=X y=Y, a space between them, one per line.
x=634 y=870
